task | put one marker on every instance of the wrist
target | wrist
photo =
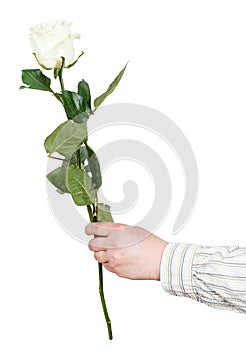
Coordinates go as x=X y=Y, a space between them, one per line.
x=162 y=248
x=159 y=246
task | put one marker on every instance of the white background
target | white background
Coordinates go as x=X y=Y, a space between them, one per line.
x=187 y=59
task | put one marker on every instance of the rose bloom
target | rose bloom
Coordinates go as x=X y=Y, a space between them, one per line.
x=51 y=41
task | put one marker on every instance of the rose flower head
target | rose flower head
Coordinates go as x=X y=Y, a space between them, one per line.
x=51 y=41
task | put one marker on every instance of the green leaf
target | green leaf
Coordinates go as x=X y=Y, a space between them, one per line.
x=35 y=79
x=83 y=154
x=66 y=138
x=74 y=159
x=104 y=214
x=84 y=92
x=74 y=106
x=94 y=167
x=80 y=186
x=58 y=178
x=99 y=100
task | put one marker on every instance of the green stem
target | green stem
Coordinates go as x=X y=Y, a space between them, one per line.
x=101 y=292
x=90 y=213
x=57 y=97
x=57 y=158
x=60 y=75
x=78 y=159
x=61 y=83
x=94 y=218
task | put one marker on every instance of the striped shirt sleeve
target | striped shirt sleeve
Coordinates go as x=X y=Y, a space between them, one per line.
x=215 y=276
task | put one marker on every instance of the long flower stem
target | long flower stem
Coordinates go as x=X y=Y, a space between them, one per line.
x=101 y=292
x=90 y=213
x=94 y=216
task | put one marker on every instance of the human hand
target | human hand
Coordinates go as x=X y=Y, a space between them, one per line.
x=129 y=251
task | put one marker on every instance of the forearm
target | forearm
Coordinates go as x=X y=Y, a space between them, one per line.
x=212 y=275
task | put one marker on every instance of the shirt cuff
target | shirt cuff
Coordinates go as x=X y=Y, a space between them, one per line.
x=176 y=269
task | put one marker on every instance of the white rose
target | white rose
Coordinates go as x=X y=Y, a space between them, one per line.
x=51 y=41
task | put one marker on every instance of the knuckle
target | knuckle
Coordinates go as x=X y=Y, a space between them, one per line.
x=95 y=229
x=91 y=246
x=96 y=255
x=116 y=256
x=118 y=270
x=89 y=229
